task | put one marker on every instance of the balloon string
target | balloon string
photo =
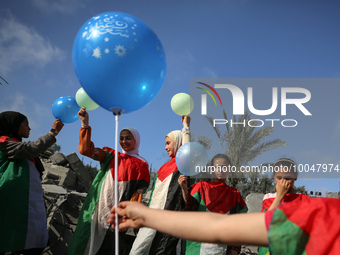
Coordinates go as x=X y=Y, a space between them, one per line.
x=3 y=80
x=116 y=187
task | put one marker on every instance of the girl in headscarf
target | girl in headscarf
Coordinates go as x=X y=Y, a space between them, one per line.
x=93 y=235
x=166 y=194
x=22 y=208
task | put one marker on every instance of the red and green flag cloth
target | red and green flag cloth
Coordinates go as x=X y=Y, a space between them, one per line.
x=215 y=197
x=92 y=232
x=268 y=199
x=305 y=227
x=22 y=207
x=166 y=194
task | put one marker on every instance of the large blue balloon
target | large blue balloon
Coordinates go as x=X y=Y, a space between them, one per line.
x=119 y=61
x=190 y=158
x=66 y=109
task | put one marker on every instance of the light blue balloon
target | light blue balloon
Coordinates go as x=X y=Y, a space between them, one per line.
x=119 y=61
x=66 y=109
x=190 y=158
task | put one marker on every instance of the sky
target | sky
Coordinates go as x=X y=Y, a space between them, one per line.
x=209 y=41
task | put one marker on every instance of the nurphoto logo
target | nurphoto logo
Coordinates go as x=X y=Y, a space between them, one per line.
x=277 y=103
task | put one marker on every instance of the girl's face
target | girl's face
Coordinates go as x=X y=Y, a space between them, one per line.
x=282 y=174
x=24 y=129
x=221 y=167
x=126 y=140
x=170 y=147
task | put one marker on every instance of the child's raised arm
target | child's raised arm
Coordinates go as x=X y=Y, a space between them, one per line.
x=86 y=146
x=234 y=229
x=186 y=135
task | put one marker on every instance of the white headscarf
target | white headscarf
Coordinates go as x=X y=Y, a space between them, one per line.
x=176 y=136
x=135 y=150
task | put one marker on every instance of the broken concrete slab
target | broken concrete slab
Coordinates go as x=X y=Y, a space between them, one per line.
x=254 y=202
x=58 y=159
x=81 y=172
x=54 y=189
x=61 y=175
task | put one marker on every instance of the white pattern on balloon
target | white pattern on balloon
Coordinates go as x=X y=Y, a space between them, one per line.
x=107 y=25
x=120 y=50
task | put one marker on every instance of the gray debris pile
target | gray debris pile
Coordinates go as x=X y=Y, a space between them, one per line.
x=65 y=182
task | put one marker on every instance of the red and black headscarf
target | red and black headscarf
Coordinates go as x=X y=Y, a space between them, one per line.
x=10 y=122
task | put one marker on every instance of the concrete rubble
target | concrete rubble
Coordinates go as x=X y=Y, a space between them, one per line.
x=65 y=182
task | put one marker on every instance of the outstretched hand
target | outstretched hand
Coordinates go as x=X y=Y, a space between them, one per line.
x=130 y=215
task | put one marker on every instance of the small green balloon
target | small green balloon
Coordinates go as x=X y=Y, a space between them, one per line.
x=182 y=104
x=83 y=100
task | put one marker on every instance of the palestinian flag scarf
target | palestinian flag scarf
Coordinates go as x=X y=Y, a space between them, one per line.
x=305 y=227
x=268 y=199
x=166 y=194
x=22 y=206
x=93 y=232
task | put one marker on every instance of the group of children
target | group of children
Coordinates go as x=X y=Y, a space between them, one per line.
x=290 y=223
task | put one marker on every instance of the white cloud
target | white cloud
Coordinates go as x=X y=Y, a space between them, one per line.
x=180 y=64
x=61 y=6
x=209 y=73
x=22 y=46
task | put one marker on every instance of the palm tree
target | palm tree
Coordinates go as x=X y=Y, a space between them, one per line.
x=241 y=143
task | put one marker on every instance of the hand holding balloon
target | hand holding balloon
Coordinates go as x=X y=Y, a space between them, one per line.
x=186 y=120
x=183 y=182
x=57 y=125
x=66 y=109
x=84 y=117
